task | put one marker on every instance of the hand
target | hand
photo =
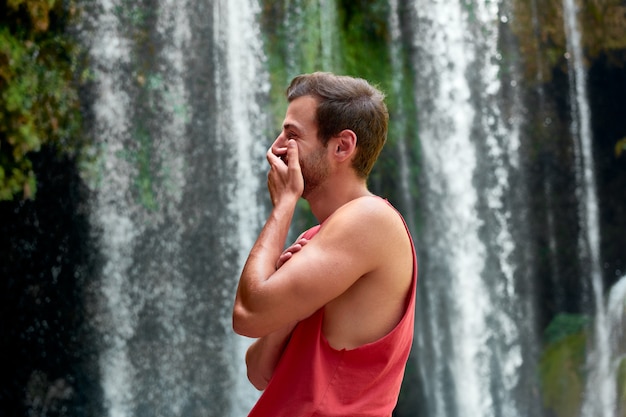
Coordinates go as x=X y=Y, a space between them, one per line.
x=288 y=253
x=263 y=356
x=285 y=176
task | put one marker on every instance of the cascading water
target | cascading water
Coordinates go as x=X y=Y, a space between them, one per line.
x=600 y=395
x=177 y=121
x=476 y=329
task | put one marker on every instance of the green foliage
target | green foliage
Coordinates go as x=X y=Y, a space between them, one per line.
x=38 y=94
x=562 y=364
x=564 y=325
x=365 y=40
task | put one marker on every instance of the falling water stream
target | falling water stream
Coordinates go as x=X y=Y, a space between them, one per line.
x=600 y=396
x=178 y=128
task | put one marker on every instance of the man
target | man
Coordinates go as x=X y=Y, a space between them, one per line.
x=334 y=312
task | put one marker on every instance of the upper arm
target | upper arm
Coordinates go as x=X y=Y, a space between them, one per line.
x=350 y=244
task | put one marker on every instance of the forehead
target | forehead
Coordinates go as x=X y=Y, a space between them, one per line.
x=301 y=114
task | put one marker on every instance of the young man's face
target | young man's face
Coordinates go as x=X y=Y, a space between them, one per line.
x=300 y=125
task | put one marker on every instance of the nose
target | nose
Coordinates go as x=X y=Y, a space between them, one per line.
x=279 y=146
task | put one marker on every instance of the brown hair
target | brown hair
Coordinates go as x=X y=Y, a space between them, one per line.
x=346 y=103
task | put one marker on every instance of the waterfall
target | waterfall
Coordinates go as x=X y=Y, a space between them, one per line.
x=476 y=327
x=179 y=132
x=119 y=282
x=600 y=394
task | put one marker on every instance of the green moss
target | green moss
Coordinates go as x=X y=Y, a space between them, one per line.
x=562 y=364
x=562 y=376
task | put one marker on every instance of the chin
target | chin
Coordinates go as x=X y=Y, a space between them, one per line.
x=307 y=192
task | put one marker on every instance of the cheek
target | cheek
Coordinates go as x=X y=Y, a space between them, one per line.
x=314 y=162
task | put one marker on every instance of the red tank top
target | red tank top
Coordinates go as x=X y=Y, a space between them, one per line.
x=314 y=379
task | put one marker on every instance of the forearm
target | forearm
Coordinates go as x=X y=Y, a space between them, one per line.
x=263 y=356
x=261 y=262
x=259 y=267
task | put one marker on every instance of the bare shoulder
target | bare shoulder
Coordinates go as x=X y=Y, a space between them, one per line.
x=367 y=214
x=370 y=224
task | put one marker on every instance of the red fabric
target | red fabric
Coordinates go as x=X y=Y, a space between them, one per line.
x=314 y=379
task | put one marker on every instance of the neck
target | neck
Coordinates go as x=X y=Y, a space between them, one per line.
x=328 y=198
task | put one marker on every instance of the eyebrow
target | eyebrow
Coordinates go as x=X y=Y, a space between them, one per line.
x=290 y=126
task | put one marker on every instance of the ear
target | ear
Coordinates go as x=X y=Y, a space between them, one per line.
x=344 y=145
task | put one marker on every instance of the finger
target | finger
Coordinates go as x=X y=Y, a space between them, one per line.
x=295 y=248
x=276 y=152
x=292 y=155
x=283 y=258
x=271 y=157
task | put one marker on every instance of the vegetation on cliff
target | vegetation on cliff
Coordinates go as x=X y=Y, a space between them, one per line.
x=38 y=89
